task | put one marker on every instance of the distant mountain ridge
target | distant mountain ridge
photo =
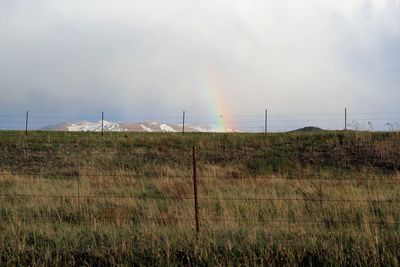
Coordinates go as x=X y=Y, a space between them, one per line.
x=144 y=126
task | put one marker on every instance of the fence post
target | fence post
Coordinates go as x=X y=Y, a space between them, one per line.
x=26 y=122
x=196 y=202
x=320 y=195
x=266 y=121
x=183 y=122
x=102 y=122
x=345 y=119
x=79 y=194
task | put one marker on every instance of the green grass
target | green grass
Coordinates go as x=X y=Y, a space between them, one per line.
x=259 y=199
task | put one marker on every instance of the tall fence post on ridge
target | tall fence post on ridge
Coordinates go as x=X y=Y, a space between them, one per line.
x=266 y=121
x=102 y=122
x=196 y=202
x=26 y=122
x=183 y=122
x=345 y=119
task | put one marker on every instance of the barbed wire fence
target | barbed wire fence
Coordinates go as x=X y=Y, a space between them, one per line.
x=264 y=123
x=195 y=175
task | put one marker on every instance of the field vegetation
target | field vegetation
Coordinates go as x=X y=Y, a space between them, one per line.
x=323 y=198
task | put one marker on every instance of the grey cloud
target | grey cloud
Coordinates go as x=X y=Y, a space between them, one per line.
x=150 y=57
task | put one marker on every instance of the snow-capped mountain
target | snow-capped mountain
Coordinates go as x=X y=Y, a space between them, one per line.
x=85 y=126
x=144 y=126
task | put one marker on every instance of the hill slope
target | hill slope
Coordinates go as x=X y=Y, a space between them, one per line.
x=248 y=154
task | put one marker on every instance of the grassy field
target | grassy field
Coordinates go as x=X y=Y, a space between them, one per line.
x=327 y=198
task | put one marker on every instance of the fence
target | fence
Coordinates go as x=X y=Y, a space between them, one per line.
x=267 y=122
x=198 y=217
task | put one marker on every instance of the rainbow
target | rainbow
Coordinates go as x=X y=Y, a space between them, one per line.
x=217 y=104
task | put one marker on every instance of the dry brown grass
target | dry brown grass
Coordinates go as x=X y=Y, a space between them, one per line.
x=110 y=212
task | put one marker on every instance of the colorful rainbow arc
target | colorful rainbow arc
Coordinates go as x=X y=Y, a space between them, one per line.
x=217 y=104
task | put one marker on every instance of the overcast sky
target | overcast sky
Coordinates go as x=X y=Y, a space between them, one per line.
x=74 y=57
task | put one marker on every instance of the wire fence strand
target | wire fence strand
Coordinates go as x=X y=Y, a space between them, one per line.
x=101 y=160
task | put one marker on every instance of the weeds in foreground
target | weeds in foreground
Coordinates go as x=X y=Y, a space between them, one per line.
x=296 y=199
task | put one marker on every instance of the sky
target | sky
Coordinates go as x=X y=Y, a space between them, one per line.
x=215 y=59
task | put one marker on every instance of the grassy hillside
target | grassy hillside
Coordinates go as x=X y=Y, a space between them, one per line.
x=127 y=198
x=246 y=154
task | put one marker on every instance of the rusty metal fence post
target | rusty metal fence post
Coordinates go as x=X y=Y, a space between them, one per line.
x=79 y=193
x=196 y=202
x=320 y=195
